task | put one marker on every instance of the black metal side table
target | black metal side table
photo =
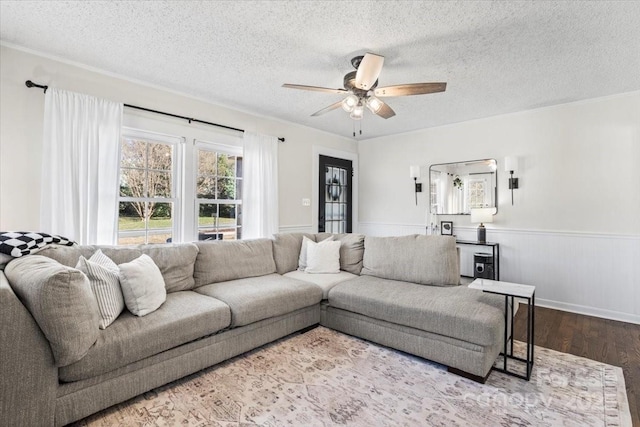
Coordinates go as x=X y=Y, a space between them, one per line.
x=511 y=291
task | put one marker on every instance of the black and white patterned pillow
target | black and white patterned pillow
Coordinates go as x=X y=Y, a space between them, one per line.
x=19 y=243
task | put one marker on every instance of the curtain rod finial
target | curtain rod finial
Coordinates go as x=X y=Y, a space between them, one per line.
x=30 y=84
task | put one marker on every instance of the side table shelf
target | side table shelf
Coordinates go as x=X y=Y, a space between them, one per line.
x=495 y=252
x=511 y=291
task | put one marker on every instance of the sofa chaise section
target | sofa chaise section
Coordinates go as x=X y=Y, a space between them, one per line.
x=455 y=326
x=408 y=297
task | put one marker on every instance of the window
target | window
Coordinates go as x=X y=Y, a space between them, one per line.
x=218 y=192
x=476 y=197
x=148 y=203
x=433 y=195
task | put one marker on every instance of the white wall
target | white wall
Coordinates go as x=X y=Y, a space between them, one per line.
x=21 y=118
x=574 y=229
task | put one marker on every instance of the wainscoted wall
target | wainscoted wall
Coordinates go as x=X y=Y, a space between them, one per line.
x=573 y=229
x=586 y=273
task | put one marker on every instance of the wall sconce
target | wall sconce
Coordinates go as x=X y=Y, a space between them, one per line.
x=414 y=172
x=511 y=165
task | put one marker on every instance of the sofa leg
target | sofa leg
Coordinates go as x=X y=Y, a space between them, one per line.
x=476 y=378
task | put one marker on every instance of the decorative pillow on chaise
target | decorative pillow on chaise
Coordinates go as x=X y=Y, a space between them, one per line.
x=103 y=276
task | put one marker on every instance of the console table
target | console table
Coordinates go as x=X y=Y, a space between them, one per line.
x=511 y=291
x=495 y=252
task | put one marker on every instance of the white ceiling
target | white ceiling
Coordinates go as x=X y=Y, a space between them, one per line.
x=497 y=57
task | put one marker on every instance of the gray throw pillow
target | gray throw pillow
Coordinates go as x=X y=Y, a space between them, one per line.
x=60 y=300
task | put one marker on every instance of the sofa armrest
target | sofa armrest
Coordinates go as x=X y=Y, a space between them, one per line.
x=28 y=376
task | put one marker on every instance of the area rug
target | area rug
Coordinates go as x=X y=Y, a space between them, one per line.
x=325 y=378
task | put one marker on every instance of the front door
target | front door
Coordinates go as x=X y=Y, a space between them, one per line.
x=335 y=205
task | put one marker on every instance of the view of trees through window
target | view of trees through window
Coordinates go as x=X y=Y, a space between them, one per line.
x=219 y=198
x=146 y=192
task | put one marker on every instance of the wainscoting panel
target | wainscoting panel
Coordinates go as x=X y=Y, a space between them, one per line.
x=587 y=273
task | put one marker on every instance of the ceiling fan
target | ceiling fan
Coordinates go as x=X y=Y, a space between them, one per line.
x=361 y=88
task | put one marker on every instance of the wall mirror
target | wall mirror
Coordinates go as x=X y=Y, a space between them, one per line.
x=456 y=188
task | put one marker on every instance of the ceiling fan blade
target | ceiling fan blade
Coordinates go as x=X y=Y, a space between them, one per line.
x=385 y=111
x=368 y=71
x=411 y=89
x=329 y=108
x=314 y=88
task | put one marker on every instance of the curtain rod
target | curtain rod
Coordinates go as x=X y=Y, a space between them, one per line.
x=30 y=84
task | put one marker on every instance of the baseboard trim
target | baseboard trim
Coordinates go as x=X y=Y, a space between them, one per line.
x=589 y=311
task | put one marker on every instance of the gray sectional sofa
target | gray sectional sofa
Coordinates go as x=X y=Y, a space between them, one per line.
x=226 y=298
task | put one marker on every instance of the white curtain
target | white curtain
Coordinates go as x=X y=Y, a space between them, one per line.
x=260 y=186
x=80 y=167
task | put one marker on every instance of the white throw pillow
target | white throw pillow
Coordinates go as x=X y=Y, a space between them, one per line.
x=302 y=259
x=323 y=257
x=105 y=284
x=142 y=285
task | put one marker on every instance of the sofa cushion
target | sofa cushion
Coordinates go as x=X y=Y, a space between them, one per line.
x=175 y=260
x=458 y=312
x=220 y=261
x=61 y=301
x=286 y=250
x=325 y=281
x=142 y=285
x=427 y=260
x=351 y=250
x=185 y=316
x=258 y=298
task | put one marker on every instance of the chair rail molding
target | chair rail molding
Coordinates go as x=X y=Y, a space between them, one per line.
x=307 y=228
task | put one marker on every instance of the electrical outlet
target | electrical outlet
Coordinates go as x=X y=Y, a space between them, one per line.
x=306 y=202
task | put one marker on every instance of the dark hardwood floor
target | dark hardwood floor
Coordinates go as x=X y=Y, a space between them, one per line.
x=608 y=341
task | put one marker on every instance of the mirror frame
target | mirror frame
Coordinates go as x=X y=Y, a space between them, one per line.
x=495 y=189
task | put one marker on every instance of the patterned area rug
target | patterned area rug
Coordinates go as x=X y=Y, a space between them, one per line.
x=324 y=378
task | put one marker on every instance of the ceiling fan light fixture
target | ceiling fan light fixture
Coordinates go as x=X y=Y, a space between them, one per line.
x=374 y=104
x=349 y=103
x=358 y=112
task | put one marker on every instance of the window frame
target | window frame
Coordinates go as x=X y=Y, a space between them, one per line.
x=218 y=148
x=177 y=190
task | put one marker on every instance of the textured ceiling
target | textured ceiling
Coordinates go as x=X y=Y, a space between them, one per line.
x=497 y=57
